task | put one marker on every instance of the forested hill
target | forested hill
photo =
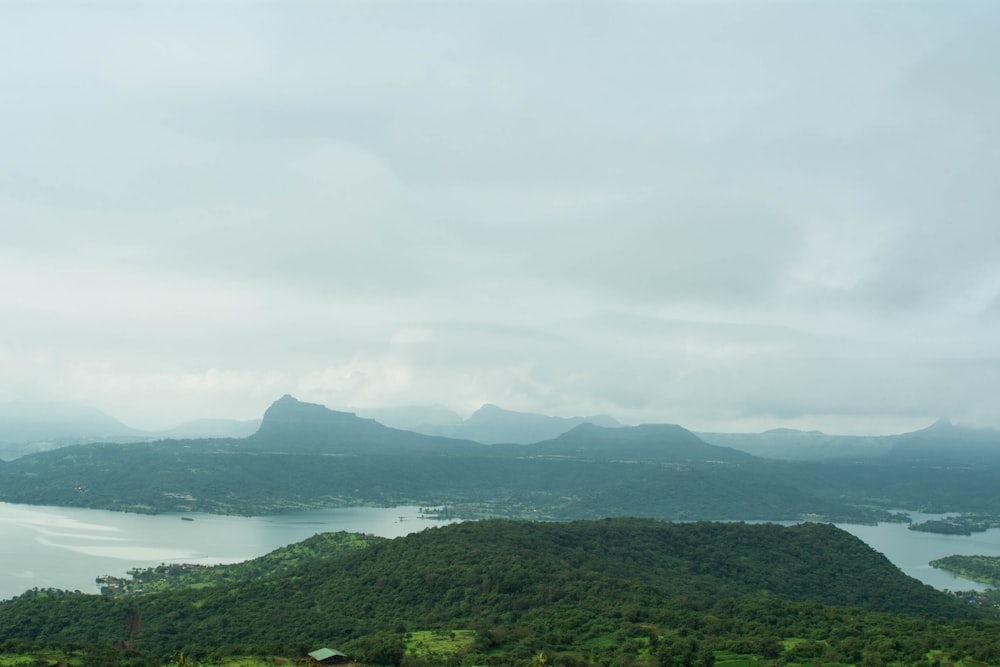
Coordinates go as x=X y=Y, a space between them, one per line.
x=521 y=584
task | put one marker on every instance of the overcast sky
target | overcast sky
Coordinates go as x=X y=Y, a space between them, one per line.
x=728 y=215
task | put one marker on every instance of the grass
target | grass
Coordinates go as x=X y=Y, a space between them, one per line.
x=49 y=658
x=429 y=643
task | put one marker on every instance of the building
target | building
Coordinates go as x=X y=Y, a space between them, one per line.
x=328 y=656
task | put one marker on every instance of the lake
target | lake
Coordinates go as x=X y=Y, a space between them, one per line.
x=911 y=550
x=61 y=547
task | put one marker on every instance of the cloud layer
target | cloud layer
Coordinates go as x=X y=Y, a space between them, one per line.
x=730 y=216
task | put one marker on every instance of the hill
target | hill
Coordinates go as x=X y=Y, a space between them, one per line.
x=645 y=443
x=27 y=427
x=587 y=588
x=492 y=424
x=945 y=444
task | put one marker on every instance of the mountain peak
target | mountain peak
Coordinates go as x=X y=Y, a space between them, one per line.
x=289 y=415
x=291 y=425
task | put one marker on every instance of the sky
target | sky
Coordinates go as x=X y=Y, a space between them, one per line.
x=732 y=216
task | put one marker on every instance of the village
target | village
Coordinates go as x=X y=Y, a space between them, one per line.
x=140 y=578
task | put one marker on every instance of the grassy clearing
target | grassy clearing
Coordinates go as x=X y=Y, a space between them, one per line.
x=16 y=660
x=47 y=658
x=426 y=643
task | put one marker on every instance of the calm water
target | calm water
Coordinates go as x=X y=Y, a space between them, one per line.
x=911 y=550
x=67 y=548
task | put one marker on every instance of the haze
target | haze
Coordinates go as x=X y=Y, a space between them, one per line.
x=732 y=216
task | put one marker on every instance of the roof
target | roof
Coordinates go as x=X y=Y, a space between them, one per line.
x=326 y=654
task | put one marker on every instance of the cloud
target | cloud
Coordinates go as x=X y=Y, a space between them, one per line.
x=705 y=213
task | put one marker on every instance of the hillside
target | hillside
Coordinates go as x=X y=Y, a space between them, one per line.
x=525 y=587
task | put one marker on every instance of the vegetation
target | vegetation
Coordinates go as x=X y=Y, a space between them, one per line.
x=185 y=575
x=984 y=569
x=941 y=527
x=612 y=592
x=965 y=524
x=609 y=592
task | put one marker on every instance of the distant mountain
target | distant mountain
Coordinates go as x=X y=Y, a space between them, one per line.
x=491 y=424
x=647 y=442
x=943 y=443
x=24 y=421
x=292 y=426
x=411 y=416
x=305 y=455
x=27 y=427
x=794 y=445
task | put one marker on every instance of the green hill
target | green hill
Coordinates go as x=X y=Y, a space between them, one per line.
x=585 y=588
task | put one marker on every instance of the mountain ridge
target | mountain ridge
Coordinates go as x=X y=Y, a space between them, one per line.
x=492 y=424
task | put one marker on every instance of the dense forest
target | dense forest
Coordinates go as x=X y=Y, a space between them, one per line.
x=613 y=591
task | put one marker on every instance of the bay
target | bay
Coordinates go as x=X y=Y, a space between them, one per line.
x=912 y=550
x=62 y=547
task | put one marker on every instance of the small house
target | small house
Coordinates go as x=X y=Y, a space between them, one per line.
x=328 y=656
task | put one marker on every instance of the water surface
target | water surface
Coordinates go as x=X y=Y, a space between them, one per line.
x=912 y=550
x=62 y=547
